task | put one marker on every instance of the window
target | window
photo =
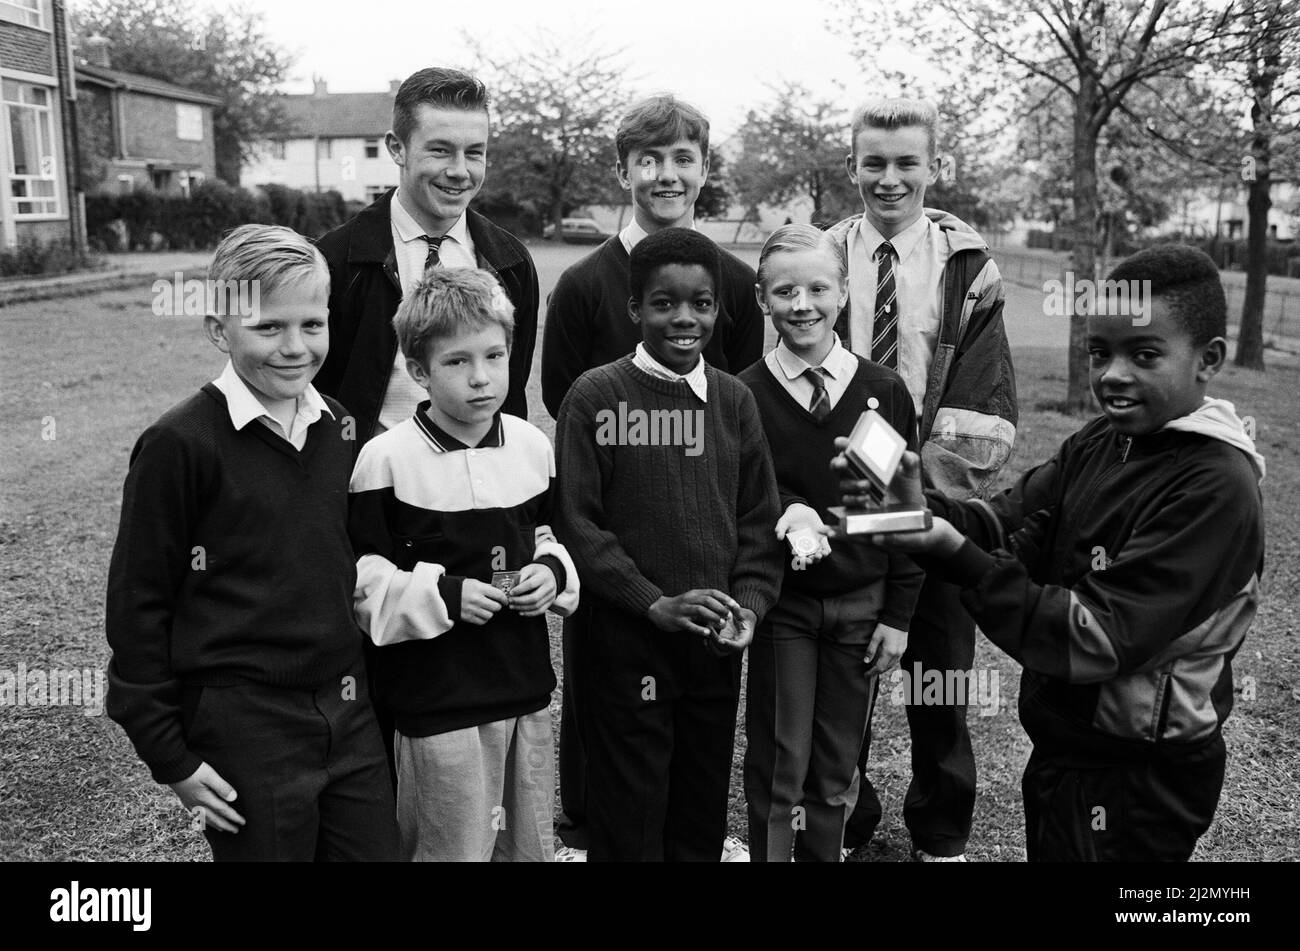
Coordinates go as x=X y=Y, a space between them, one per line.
x=276 y=149
x=376 y=192
x=26 y=12
x=372 y=148
x=324 y=148
x=33 y=186
x=161 y=178
x=189 y=122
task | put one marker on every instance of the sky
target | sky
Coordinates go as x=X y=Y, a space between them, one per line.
x=718 y=54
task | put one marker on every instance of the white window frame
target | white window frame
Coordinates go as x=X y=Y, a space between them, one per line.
x=25 y=12
x=369 y=144
x=189 y=119
x=277 y=150
x=52 y=204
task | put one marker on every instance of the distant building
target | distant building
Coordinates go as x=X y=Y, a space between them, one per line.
x=38 y=183
x=331 y=141
x=1224 y=213
x=139 y=132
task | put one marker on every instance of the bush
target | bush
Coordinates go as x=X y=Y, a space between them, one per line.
x=155 y=220
x=31 y=256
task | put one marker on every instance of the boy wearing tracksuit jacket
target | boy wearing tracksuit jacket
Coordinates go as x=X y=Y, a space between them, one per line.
x=1123 y=575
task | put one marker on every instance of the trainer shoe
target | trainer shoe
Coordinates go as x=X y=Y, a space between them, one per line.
x=923 y=856
x=566 y=854
x=733 y=850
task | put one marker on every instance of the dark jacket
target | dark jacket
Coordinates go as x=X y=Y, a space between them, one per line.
x=1122 y=574
x=364 y=294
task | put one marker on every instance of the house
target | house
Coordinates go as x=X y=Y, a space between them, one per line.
x=140 y=132
x=41 y=199
x=331 y=141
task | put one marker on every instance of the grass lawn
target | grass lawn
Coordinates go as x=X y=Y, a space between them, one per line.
x=92 y=372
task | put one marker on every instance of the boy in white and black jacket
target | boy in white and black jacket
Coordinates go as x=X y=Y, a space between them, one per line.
x=457 y=566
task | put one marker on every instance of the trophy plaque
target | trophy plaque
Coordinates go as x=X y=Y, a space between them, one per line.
x=875 y=449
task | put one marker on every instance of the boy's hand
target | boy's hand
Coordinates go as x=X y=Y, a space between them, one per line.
x=736 y=633
x=479 y=601
x=799 y=516
x=701 y=611
x=534 y=592
x=885 y=648
x=205 y=789
x=906 y=488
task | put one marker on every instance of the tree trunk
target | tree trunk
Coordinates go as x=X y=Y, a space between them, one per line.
x=557 y=215
x=1078 y=394
x=1250 y=337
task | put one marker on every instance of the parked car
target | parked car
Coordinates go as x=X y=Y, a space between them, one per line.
x=577 y=231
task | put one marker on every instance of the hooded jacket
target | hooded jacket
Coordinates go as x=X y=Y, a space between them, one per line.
x=1123 y=575
x=365 y=291
x=967 y=424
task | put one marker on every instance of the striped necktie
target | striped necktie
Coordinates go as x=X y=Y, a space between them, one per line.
x=884 y=338
x=432 y=259
x=820 y=405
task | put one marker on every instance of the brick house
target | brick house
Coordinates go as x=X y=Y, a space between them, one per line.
x=140 y=132
x=332 y=141
x=38 y=182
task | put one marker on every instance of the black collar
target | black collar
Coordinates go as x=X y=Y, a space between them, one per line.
x=445 y=442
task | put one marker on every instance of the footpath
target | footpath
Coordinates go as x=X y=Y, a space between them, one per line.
x=117 y=271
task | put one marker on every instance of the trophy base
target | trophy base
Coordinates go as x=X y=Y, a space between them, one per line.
x=882 y=521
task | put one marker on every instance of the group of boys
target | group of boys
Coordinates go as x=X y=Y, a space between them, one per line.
x=269 y=532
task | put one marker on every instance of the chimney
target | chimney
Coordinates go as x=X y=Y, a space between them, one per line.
x=95 y=49
x=394 y=85
x=319 y=82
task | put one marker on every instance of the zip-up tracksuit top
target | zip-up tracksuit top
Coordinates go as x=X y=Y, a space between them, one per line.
x=968 y=419
x=1123 y=575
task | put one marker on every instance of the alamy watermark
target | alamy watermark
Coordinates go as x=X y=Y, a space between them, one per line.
x=1086 y=297
x=947 y=688
x=655 y=427
x=53 y=687
x=195 y=298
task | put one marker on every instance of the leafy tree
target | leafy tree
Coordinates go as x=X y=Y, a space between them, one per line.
x=1089 y=54
x=224 y=53
x=715 y=196
x=794 y=147
x=554 y=102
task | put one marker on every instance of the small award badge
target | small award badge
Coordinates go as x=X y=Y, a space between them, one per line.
x=873 y=454
x=803 y=542
x=505 y=580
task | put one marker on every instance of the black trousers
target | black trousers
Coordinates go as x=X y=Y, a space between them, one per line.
x=308 y=768
x=661 y=723
x=940 y=799
x=1144 y=811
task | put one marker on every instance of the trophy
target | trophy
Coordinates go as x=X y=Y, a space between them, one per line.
x=875 y=449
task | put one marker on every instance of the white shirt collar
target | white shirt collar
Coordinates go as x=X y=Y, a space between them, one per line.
x=696 y=379
x=408 y=229
x=634 y=234
x=244 y=406
x=839 y=363
x=904 y=242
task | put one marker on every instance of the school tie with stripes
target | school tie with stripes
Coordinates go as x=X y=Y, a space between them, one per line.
x=884 y=337
x=432 y=259
x=820 y=404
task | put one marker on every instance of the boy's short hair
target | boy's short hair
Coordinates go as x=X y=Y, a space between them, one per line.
x=272 y=255
x=896 y=114
x=660 y=120
x=673 y=246
x=796 y=237
x=439 y=87
x=1188 y=279
x=447 y=302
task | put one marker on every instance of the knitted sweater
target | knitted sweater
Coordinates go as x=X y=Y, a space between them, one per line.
x=644 y=519
x=802 y=449
x=587 y=324
x=232 y=564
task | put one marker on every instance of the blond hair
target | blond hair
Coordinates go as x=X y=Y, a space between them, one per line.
x=271 y=255
x=448 y=302
x=897 y=114
x=801 y=238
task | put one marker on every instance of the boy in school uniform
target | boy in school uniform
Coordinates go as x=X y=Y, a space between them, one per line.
x=925 y=299
x=1123 y=575
x=663 y=162
x=237 y=669
x=457 y=566
x=667 y=503
x=843 y=614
